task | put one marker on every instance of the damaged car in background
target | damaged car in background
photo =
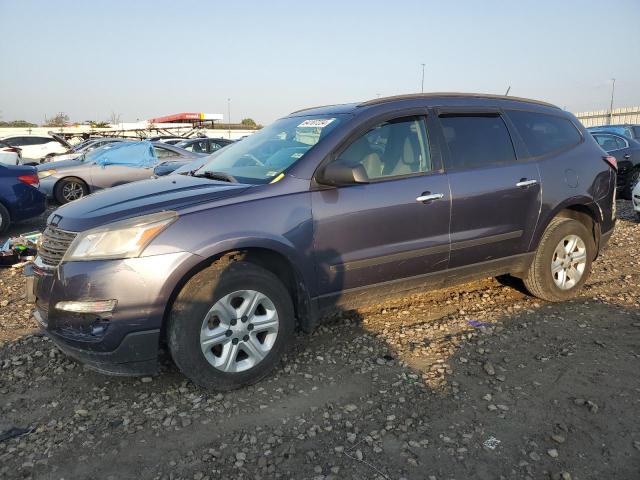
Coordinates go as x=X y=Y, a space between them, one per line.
x=114 y=164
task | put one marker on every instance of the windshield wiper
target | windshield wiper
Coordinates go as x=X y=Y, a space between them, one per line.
x=225 y=177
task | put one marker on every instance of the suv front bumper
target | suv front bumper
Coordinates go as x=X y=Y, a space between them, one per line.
x=126 y=340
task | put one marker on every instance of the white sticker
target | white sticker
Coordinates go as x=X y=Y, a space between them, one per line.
x=297 y=155
x=317 y=123
x=272 y=173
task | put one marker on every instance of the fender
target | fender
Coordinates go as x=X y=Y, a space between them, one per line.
x=582 y=201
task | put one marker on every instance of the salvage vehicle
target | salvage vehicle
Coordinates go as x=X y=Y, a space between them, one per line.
x=110 y=165
x=19 y=195
x=35 y=148
x=326 y=209
x=9 y=155
x=203 y=145
x=82 y=149
x=627 y=154
x=625 y=129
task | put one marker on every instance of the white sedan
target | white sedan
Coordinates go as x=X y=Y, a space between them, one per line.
x=36 y=147
x=9 y=155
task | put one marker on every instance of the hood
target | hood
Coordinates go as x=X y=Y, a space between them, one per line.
x=141 y=198
x=60 y=164
x=61 y=140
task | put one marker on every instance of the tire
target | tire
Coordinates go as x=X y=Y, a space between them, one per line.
x=70 y=187
x=540 y=281
x=5 y=219
x=213 y=287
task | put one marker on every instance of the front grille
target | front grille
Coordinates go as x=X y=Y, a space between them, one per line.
x=54 y=245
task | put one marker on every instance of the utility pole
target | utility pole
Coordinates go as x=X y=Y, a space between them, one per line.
x=422 y=85
x=229 y=116
x=613 y=89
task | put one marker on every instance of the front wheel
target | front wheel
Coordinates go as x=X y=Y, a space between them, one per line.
x=70 y=189
x=562 y=262
x=5 y=219
x=230 y=325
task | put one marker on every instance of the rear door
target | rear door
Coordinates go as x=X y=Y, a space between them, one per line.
x=495 y=198
x=396 y=226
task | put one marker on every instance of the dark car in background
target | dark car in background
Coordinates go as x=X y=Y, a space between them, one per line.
x=627 y=154
x=325 y=209
x=203 y=145
x=20 y=198
x=625 y=129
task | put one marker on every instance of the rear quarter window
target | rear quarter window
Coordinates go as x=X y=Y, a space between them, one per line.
x=544 y=134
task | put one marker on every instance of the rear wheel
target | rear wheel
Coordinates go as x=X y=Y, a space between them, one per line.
x=5 y=219
x=230 y=325
x=70 y=189
x=562 y=262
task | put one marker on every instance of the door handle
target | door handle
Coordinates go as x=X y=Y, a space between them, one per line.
x=526 y=183
x=427 y=197
x=627 y=156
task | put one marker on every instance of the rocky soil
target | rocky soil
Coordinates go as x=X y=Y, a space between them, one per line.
x=480 y=381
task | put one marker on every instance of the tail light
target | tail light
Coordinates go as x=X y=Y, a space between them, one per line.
x=611 y=160
x=31 y=179
x=11 y=150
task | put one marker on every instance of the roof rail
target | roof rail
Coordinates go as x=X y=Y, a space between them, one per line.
x=412 y=96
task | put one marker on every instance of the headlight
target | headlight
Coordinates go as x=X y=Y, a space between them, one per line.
x=45 y=173
x=124 y=239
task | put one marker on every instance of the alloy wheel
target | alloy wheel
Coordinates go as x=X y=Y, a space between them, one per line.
x=568 y=262
x=72 y=191
x=239 y=331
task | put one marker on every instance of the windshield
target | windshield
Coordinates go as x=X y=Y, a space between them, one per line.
x=261 y=157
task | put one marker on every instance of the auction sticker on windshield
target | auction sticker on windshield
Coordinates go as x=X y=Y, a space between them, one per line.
x=316 y=123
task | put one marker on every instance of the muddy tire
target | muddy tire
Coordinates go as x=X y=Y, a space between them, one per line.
x=230 y=325
x=562 y=262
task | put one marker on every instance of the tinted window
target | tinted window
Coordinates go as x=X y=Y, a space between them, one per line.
x=610 y=142
x=164 y=153
x=391 y=149
x=636 y=132
x=477 y=140
x=544 y=133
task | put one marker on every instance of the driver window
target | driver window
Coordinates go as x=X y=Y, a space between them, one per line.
x=391 y=149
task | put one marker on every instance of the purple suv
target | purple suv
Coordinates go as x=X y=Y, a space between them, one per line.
x=326 y=208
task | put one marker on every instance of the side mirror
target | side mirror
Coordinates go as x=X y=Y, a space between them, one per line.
x=338 y=173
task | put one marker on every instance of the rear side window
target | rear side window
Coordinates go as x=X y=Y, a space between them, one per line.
x=544 y=134
x=610 y=143
x=477 y=140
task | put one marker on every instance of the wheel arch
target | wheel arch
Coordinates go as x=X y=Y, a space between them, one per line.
x=269 y=258
x=587 y=213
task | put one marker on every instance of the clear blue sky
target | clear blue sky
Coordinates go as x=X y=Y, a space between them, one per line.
x=144 y=58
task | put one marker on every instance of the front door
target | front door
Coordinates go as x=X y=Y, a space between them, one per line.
x=496 y=199
x=394 y=227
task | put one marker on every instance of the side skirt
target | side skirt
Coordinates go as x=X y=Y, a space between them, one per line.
x=360 y=296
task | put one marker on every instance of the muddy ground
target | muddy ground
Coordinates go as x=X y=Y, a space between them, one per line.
x=412 y=388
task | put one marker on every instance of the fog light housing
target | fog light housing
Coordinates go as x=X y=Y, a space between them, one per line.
x=88 y=306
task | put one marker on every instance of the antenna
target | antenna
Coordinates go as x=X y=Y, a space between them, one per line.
x=507 y=92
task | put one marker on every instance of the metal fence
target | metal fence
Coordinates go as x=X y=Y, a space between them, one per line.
x=605 y=117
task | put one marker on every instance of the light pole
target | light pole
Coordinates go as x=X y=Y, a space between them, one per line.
x=422 y=84
x=613 y=89
x=229 y=116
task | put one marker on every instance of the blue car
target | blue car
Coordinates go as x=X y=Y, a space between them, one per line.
x=20 y=198
x=626 y=130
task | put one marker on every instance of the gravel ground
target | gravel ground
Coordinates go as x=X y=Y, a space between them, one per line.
x=405 y=389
